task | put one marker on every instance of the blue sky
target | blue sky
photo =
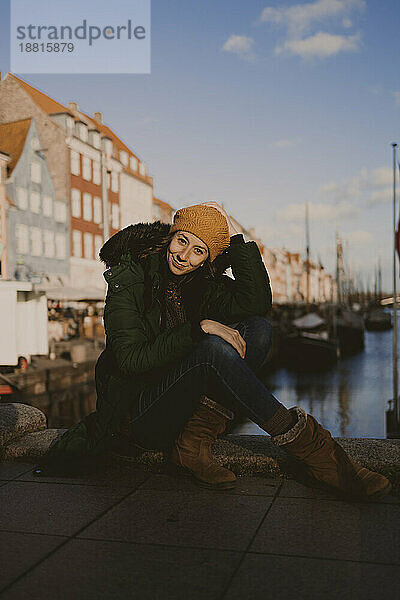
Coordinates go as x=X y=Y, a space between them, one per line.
x=263 y=106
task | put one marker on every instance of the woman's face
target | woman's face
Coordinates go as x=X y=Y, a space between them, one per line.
x=186 y=253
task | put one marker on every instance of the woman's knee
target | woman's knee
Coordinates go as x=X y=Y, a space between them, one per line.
x=215 y=346
x=261 y=332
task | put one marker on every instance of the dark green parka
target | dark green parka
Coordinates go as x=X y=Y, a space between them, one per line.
x=137 y=347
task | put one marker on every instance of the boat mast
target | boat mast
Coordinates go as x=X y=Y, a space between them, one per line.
x=339 y=266
x=395 y=375
x=307 y=260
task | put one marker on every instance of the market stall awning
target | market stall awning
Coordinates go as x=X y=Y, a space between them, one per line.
x=76 y=294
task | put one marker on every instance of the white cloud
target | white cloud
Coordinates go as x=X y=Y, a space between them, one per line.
x=283 y=144
x=301 y=17
x=381 y=177
x=380 y=197
x=320 y=45
x=369 y=185
x=318 y=211
x=300 y=20
x=359 y=237
x=241 y=45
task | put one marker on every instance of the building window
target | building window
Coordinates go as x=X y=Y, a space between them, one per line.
x=77 y=243
x=36 y=241
x=22 y=198
x=86 y=168
x=96 y=139
x=115 y=215
x=114 y=181
x=83 y=132
x=35 y=202
x=142 y=169
x=134 y=163
x=47 y=206
x=96 y=172
x=75 y=163
x=60 y=211
x=48 y=243
x=97 y=209
x=22 y=235
x=108 y=147
x=76 y=203
x=98 y=242
x=124 y=157
x=36 y=172
x=88 y=244
x=87 y=206
x=60 y=245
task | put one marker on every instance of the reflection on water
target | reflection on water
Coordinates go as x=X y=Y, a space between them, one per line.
x=349 y=399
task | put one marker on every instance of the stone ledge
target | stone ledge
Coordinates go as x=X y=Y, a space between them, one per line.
x=252 y=455
x=16 y=420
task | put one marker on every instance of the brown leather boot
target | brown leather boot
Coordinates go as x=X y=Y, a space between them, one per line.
x=327 y=462
x=192 y=449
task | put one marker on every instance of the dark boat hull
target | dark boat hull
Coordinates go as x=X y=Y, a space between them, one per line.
x=378 y=322
x=303 y=353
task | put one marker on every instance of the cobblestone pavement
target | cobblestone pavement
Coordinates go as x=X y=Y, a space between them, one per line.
x=131 y=532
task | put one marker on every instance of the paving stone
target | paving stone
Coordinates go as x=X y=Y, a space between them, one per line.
x=116 y=571
x=52 y=508
x=202 y=519
x=331 y=529
x=296 y=578
x=121 y=475
x=249 y=486
x=295 y=489
x=11 y=470
x=20 y=551
x=17 y=419
x=32 y=445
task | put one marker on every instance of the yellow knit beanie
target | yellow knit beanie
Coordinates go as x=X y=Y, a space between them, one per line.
x=207 y=223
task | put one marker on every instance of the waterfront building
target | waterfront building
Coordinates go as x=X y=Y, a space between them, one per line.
x=162 y=211
x=36 y=223
x=103 y=183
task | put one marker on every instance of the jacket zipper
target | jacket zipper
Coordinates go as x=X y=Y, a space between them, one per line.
x=159 y=321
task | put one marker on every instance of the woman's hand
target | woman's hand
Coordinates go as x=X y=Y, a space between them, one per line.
x=232 y=229
x=227 y=333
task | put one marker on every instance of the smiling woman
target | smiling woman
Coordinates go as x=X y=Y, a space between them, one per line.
x=183 y=348
x=186 y=253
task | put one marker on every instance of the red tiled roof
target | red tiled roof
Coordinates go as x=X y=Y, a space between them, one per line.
x=109 y=133
x=51 y=106
x=12 y=139
x=46 y=103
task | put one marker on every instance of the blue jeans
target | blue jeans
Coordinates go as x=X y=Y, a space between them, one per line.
x=214 y=368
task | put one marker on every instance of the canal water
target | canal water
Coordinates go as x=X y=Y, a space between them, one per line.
x=349 y=399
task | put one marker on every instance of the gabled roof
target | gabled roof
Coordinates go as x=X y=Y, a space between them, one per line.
x=46 y=103
x=53 y=107
x=12 y=140
x=162 y=203
x=109 y=133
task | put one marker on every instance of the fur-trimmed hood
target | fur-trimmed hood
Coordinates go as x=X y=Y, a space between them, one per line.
x=142 y=239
